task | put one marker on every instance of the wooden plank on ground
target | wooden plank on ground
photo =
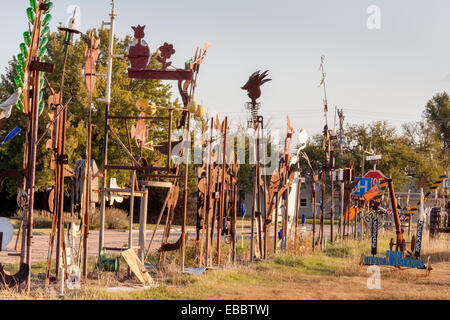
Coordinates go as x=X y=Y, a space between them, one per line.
x=136 y=266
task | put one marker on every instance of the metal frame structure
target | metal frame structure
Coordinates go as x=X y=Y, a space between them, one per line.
x=138 y=57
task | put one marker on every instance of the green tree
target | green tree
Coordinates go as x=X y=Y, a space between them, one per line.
x=125 y=93
x=437 y=116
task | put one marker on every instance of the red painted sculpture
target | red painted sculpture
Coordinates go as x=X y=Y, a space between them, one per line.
x=139 y=53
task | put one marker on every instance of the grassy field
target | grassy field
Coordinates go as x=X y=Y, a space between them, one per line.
x=332 y=274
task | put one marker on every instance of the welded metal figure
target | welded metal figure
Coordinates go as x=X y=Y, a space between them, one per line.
x=253 y=87
x=59 y=162
x=254 y=83
x=139 y=55
x=30 y=100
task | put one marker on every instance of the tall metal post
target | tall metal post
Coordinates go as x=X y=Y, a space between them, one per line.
x=222 y=188
x=398 y=229
x=185 y=193
x=32 y=171
x=314 y=200
x=107 y=100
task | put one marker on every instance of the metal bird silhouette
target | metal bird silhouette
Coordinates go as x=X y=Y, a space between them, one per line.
x=254 y=83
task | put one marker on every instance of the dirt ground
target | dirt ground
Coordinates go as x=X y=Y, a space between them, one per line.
x=334 y=274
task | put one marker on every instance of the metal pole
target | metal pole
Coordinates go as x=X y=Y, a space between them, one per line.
x=397 y=222
x=222 y=188
x=341 y=231
x=131 y=217
x=32 y=173
x=208 y=196
x=332 y=201
x=143 y=224
x=258 y=188
x=107 y=100
x=185 y=193
x=314 y=197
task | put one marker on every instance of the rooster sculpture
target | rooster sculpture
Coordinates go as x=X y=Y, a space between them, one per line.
x=254 y=83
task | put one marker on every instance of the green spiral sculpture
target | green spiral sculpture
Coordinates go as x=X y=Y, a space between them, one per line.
x=25 y=50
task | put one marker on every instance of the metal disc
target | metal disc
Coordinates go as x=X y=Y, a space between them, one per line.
x=7 y=229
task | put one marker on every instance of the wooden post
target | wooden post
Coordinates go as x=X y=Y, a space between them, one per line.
x=398 y=229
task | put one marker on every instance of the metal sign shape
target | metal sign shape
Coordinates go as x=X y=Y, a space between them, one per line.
x=419 y=238
x=139 y=132
x=7 y=230
x=364 y=185
x=373 y=158
x=377 y=177
x=395 y=259
x=254 y=83
x=375 y=223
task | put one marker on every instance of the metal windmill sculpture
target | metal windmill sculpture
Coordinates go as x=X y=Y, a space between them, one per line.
x=253 y=87
x=28 y=84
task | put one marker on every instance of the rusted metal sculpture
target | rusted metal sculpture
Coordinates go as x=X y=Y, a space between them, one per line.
x=29 y=103
x=10 y=281
x=59 y=161
x=253 y=87
x=139 y=55
x=92 y=53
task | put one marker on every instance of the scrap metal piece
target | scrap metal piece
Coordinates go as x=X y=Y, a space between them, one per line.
x=8 y=280
x=172 y=246
x=255 y=81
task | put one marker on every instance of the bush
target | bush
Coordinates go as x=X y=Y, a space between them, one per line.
x=114 y=219
x=42 y=220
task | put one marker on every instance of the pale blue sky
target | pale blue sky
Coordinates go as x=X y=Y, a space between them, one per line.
x=371 y=74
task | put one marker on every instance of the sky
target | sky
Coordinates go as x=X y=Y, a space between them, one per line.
x=372 y=74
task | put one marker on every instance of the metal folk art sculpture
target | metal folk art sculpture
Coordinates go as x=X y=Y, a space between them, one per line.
x=59 y=162
x=28 y=84
x=253 y=87
x=139 y=57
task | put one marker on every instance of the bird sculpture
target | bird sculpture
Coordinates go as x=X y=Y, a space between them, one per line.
x=254 y=83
